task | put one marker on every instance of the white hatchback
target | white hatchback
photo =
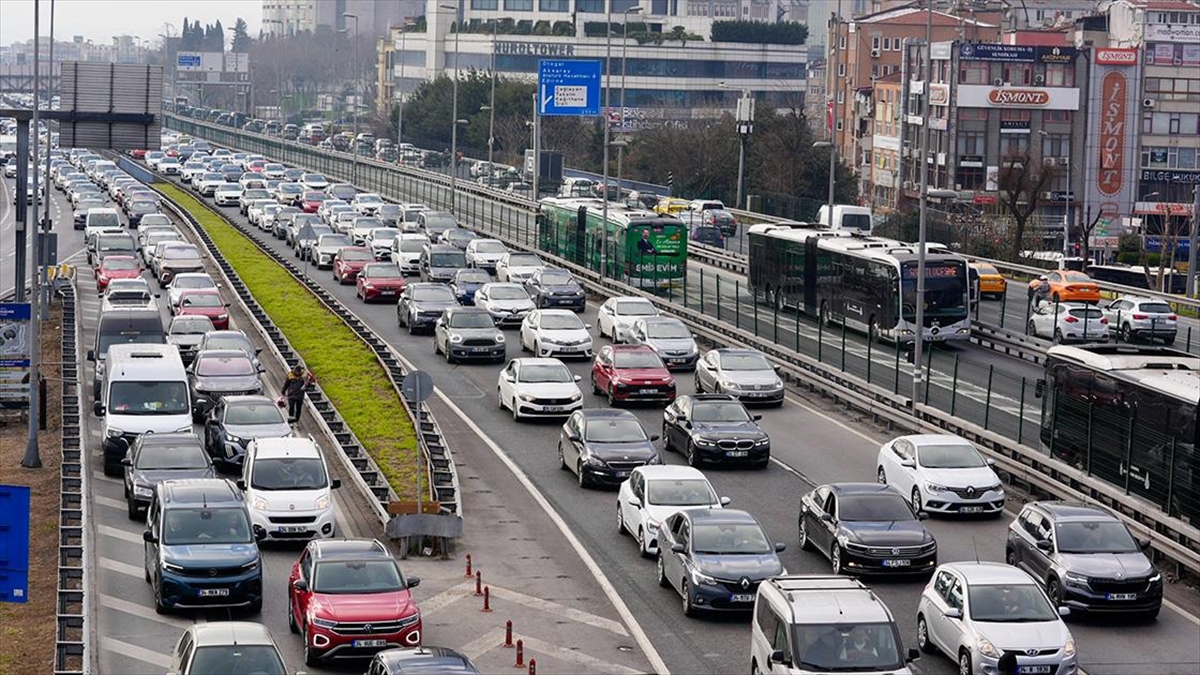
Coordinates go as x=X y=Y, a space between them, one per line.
x=618 y=314
x=538 y=388
x=288 y=489
x=653 y=492
x=941 y=473
x=556 y=332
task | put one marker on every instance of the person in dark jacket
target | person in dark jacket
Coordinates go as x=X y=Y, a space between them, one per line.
x=294 y=387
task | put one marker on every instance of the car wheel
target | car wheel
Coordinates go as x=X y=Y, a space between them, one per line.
x=661 y=573
x=310 y=657
x=685 y=591
x=1031 y=329
x=1058 y=336
x=693 y=458
x=881 y=476
x=499 y=399
x=805 y=543
x=1126 y=333
x=915 y=499
x=583 y=481
x=612 y=397
x=666 y=437
x=1054 y=590
x=964 y=663
x=159 y=607
x=292 y=617
x=835 y=558
x=602 y=333
x=446 y=351
x=621 y=519
x=641 y=542
x=1010 y=556
x=923 y=641
x=699 y=385
x=411 y=328
x=516 y=415
x=595 y=387
x=131 y=509
x=562 y=461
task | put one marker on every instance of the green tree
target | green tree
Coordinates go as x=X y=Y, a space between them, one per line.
x=241 y=37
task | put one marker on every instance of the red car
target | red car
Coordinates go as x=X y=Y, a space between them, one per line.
x=631 y=373
x=205 y=303
x=348 y=597
x=348 y=261
x=379 y=281
x=116 y=267
x=256 y=166
x=137 y=153
x=311 y=201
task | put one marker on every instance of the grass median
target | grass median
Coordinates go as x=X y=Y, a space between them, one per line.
x=347 y=369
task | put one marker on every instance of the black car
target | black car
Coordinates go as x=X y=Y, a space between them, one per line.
x=466 y=281
x=465 y=333
x=420 y=660
x=154 y=458
x=421 y=305
x=715 y=558
x=216 y=373
x=602 y=446
x=715 y=428
x=457 y=237
x=235 y=421
x=138 y=208
x=1086 y=558
x=554 y=287
x=866 y=528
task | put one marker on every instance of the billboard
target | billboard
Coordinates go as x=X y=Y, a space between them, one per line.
x=1045 y=98
x=1111 y=167
x=115 y=106
x=569 y=88
x=15 y=350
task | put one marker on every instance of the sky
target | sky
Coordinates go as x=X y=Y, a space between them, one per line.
x=100 y=20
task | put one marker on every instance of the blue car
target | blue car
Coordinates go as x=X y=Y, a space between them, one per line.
x=200 y=550
x=555 y=287
x=466 y=281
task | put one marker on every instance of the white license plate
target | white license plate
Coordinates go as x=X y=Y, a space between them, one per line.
x=971 y=509
x=647 y=391
x=553 y=408
x=292 y=528
x=370 y=643
x=1034 y=670
x=897 y=563
x=737 y=453
x=622 y=474
x=677 y=360
x=569 y=350
x=214 y=592
x=387 y=292
x=742 y=597
x=1122 y=596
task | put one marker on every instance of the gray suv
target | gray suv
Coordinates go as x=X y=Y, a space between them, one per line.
x=1085 y=557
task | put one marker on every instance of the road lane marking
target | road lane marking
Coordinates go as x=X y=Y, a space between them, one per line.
x=135 y=652
x=446 y=598
x=574 y=656
x=115 y=533
x=482 y=644
x=110 y=502
x=554 y=608
x=140 y=610
x=1182 y=612
x=122 y=568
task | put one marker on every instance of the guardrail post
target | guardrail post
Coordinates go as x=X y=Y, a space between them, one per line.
x=718 y=294
x=1087 y=460
x=821 y=338
x=775 y=308
x=1118 y=337
x=1058 y=318
x=1003 y=303
x=1021 y=415
x=1128 y=453
x=870 y=339
x=954 y=388
x=737 y=303
x=896 y=386
x=754 y=301
x=1085 y=325
x=987 y=405
x=843 y=368
x=797 y=329
x=1189 y=339
x=1171 y=479
x=928 y=371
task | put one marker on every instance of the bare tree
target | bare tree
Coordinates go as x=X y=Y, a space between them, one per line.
x=1085 y=234
x=1022 y=182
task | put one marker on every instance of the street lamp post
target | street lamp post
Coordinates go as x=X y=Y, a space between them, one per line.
x=454 y=115
x=357 y=88
x=745 y=127
x=399 y=90
x=604 y=119
x=919 y=337
x=491 y=106
x=624 y=72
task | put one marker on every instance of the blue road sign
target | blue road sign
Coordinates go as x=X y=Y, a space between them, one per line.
x=188 y=60
x=569 y=88
x=14 y=543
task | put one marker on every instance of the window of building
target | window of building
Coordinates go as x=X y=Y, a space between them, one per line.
x=1017 y=73
x=554 y=5
x=875 y=42
x=1058 y=115
x=897 y=44
x=1014 y=145
x=1060 y=75
x=839 y=125
x=972 y=143
x=841 y=70
x=971 y=177
x=965 y=114
x=1056 y=145
x=485 y=4
x=518 y=5
x=973 y=72
x=1015 y=115
x=874 y=70
x=842 y=42
x=841 y=96
x=595 y=6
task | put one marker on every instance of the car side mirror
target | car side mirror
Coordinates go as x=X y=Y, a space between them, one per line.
x=756 y=418
x=825 y=517
x=780 y=547
x=148 y=537
x=1064 y=611
x=413 y=582
x=125 y=461
x=574 y=438
x=908 y=463
x=1143 y=543
x=779 y=657
x=1039 y=388
x=300 y=585
x=98 y=409
x=922 y=515
x=91 y=355
x=258 y=351
x=990 y=462
x=678 y=548
x=635 y=503
x=913 y=655
x=241 y=483
x=725 y=501
x=654 y=437
x=953 y=613
x=335 y=483
x=259 y=533
x=1045 y=545
x=587 y=326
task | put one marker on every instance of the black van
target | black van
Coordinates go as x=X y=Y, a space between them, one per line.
x=120 y=326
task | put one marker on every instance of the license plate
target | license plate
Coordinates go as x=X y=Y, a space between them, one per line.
x=676 y=360
x=1122 y=596
x=897 y=563
x=737 y=453
x=622 y=474
x=569 y=350
x=387 y=292
x=214 y=592
x=553 y=408
x=1034 y=670
x=370 y=643
x=480 y=350
x=971 y=509
x=742 y=597
x=647 y=391
x=292 y=528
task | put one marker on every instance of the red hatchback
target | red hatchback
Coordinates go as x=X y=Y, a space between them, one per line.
x=204 y=303
x=116 y=267
x=632 y=373
x=348 y=261
x=380 y=281
x=348 y=598
x=311 y=201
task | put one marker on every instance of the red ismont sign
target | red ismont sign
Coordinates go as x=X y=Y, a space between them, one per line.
x=1021 y=97
x=1117 y=57
x=1112 y=133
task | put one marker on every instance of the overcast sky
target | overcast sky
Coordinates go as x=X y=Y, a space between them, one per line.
x=100 y=20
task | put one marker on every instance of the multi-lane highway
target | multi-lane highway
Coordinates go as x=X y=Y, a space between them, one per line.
x=811 y=446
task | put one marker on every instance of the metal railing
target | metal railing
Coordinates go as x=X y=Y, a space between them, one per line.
x=72 y=635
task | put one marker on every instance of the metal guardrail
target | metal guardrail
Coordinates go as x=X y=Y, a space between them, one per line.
x=1170 y=536
x=71 y=635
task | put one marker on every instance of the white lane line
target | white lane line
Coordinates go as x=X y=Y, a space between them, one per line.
x=823 y=415
x=121 y=568
x=140 y=610
x=135 y=652
x=560 y=610
x=116 y=533
x=482 y=644
x=573 y=656
x=99 y=475
x=1182 y=612
x=446 y=598
x=110 y=502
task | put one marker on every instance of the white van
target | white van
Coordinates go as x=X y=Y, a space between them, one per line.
x=288 y=488
x=144 y=390
x=846 y=217
x=821 y=624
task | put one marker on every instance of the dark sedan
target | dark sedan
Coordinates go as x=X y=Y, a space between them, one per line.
x=465 y=333
x=554 y=287
x=235 y=421
x=217 y=373
x=866 y=528
x=421 y=305
x=154 y=458
x=457 y=237
x=405 y=660
x=715 y=559
x=466 y=281
x=715 y=428
x=602 y=446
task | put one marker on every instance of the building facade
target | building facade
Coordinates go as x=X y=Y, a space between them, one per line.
x=289 y=17
x=883 y=180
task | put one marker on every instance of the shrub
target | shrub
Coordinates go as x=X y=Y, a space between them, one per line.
x=759 y=32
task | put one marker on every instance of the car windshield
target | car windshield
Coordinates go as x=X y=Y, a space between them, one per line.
x=171 y=457
x=730 y=538
x=183 y=281
x=384 y=233
x=412 y=245
x=523 y=260
x=224 y=365
x=313 y=178
x=361 y=223
x=199 y=526
x=117 y=242
x=688 y=492
x=636 y=358
x=719 y=411
x=314 y=196
x=228 y=341
x=471 y=320
x=253 y=413
x=508 y=293
x=636 y=308
x=561 y=322
x=846 y=648
x=288 y=473
x=472 y=276
x=369 y=199
x=131 y=336
x=357 y=576
x=447 y=260
x=291 y=188
x=490 y=246
x=355 y=254
x=1076 y=277
x=439 y=221
x=237 y=660
x=337 y=240
x=142 y=206
x=1095 y=536
x=541 y=373
x=1009 y=603
x=949 y=456
x=614 y=430
x=433 y=294
x=557 y=278
x=180 y=253
x=202 y=300
x=191 y=325
x=380 y=272
x=148 y=398
x=736 y=362
x=1155 y=308
x=117 y=263
x=987 y=269
x=668 y=330
x=878 y=507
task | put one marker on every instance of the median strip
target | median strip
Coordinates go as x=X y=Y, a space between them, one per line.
x=347 y=369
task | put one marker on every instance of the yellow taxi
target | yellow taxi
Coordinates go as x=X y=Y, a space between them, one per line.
x=671 y=206
x=991 y=282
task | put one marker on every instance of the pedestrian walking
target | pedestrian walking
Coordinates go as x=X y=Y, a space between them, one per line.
x=294 y=388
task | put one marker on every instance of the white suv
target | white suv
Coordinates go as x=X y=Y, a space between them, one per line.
x=1136 y=318
x=288 y=489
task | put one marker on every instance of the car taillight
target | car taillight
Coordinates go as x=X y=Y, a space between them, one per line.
x=1071 y=319
x=1172 y=318
x=1103 y=321
x=1140 y=317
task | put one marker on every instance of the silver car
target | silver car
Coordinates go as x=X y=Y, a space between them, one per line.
x=1136 y=318
x=976 y=612
x=670 y=338
x=744 y=373
x=327 y=247
x=508 y=303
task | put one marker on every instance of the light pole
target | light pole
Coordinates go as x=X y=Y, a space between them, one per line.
x=400 y=92
x=745 y=127
x=491 y=110
x=454 y=115
x=604 y=119
x=357 y=88
x=491 y=106
x=624 y=72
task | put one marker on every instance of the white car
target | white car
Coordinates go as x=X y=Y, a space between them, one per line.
x=232 y=646
x=169 y=166
x=1068 y=322
x=941 y=473
x=653 y=492
x=381 y=240
x=1131 y=317
x=344 y=222
x=272 y=171
x=508 y=303
x=408 y=217
x=265 y=215
x=367 y=203
x=255 y=207
x=361 y=228
x=314 y=181
x=406 y=252
x=975 y=612
x=207 y=183
x=617 y=315
x=227 y=194
x=485 y=253
x=323 y=209
x=538 y=388
x=288 y=489
x=187 y=281
x=517 y=266
x=556 y=332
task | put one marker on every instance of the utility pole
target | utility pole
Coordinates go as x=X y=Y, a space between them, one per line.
x=1191 y=278
x=537 y=143
x=624 y=72
x=834 y=89
x=492 y=101
x=32 y=458
x=399 y=92
x=357 y=90
x=919 y=329
x=46 y=224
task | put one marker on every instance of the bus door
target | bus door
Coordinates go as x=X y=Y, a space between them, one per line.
x=810 y=275
x=579 y=237
x=972 y=287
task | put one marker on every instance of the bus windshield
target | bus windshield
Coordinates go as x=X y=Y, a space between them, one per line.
x=945 y=290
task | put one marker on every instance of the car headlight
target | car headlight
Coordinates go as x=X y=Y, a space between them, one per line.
x=235 y=440
x=654 y=459
x=499 y=339
x=323 y=623
x=114 y=432
x=367 y=285
x=1075 y=579
x=1069 y=647
x=778 y=383
x=222 y=317
x=592 y=460
x=252 y=565
x=986 y=648
x=171 y=567
x=142 y=491
x=528 y=398
x=704 y=442
x=322 y=503
x=762 y=441
x=934 y=487
x=843 y=538
x=575 y=397
x=456 y=338
x=260 y=504
x=701 y=579
x=651 y=527
x=726 y=384
x=1156 y=578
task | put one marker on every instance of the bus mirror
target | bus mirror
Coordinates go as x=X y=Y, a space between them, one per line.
x=1039 y=388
